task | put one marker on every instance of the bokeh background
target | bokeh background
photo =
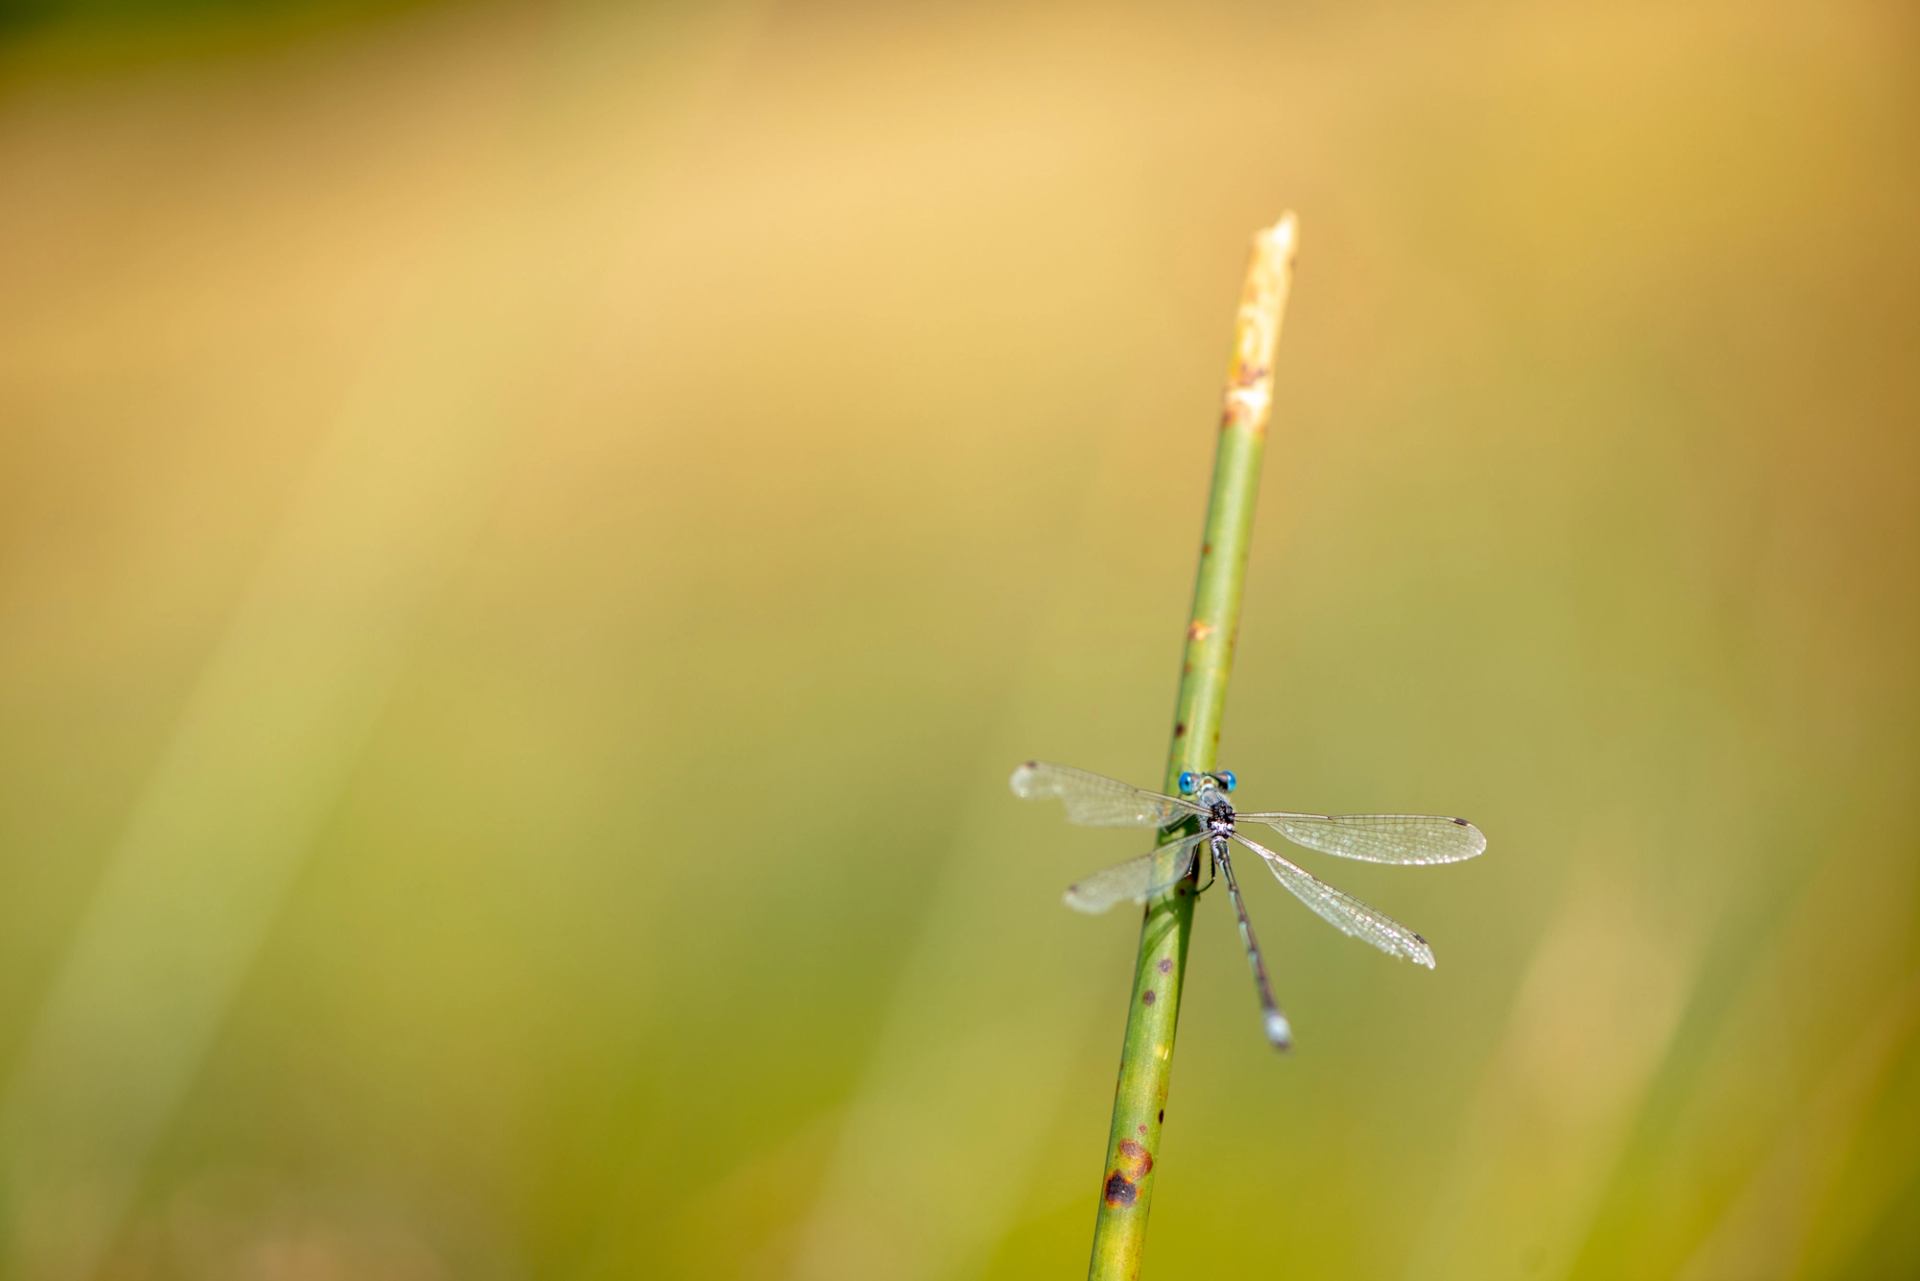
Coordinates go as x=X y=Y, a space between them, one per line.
x=531 y=536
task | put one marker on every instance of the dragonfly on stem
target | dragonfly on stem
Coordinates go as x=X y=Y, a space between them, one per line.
x=1096 y=801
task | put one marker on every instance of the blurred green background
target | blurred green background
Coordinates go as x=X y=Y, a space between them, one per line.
x=531 y=536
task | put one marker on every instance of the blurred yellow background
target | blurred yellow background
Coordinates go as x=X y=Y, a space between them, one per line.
x=531 y=536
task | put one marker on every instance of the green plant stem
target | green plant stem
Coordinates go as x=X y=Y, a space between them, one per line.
x=1146 y=1061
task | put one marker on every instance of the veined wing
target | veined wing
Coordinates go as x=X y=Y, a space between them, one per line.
x=1095 y=801
x=1138 y=879
x=1379 y=838
x=1345 y=912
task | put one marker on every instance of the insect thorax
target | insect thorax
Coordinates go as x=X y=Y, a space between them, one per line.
x=1220 y=819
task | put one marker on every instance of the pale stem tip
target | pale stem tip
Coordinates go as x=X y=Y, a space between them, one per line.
x=1283 y=237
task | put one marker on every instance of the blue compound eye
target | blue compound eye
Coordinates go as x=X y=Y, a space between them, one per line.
x=1226 y=779
x=1187 y=780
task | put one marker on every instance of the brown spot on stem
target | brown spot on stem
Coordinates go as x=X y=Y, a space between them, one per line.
x=1180 y=731
x=1120 y=1190
x=1142 y=1128
x=1206 y=549
x=1166 y=965
x=1198 y=630
x=1163 y=1116
x=1135 y=1161
x=1147 y=997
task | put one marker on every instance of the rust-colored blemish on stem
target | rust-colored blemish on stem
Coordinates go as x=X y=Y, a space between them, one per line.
x=1135 y=1161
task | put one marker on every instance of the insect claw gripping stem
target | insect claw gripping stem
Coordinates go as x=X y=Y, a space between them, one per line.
x=1146 y=1060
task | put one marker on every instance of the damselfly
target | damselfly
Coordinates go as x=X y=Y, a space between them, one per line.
x=1095 y=801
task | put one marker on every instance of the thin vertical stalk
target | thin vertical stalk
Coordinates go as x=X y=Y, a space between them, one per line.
x=1146 y=1061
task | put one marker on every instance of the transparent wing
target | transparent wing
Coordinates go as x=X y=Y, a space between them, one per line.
x=1379 y=838
x=1138 y=879
x=1345 y=912
x=1095 y=801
